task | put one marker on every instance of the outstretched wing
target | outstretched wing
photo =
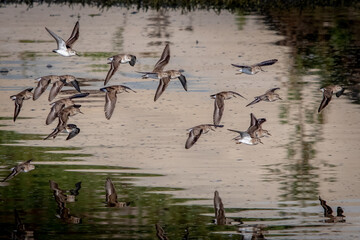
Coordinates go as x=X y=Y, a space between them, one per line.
x=194 y=135
x=163 y=83
x=267 y=62
x=41 y=87
x=327 y=95
x=111 y=196
x=110 y=102
x=114 y=65
x=164 y=59
x=60 y=42
x=183 y=82
x=18 y=105
x=74 y=36
x=75 y=131
x=218 y=109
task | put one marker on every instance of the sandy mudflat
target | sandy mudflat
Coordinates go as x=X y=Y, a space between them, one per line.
x=151 y=135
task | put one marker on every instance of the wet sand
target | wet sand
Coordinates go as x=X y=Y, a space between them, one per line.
x=151 y=135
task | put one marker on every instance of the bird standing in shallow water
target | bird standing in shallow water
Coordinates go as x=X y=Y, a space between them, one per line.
x=219 y=104
x=115 y=63
x=111 y=98
x=65 y=48
x=19 y=98
x=268 y=96
x=327 y=95
x=255 y=68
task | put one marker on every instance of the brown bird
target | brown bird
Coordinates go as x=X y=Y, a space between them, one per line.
x=160 y=233
x=58 y=105
x=115 y=62
x=111 y=196
x=111 y=98
x=255 y=68
x=219 y=104
x=220 y=218
x=43 y=83
x=195 y=133
x=64 y=115
x=65 y=48
x=65 y=195
x=327 y=95
x=22 y=167
x=164 y=76
x=19 y=98
x=255 y=127
x=58 y=85
x=328 y=212
x=268 y=96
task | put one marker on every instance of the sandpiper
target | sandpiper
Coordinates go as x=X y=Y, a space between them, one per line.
x=19 y=98
x=110 y=98
x=255 y=68
x=268 y=96
x=115 y=62
x=65 y=48
x=65 y=195
x=72 y=129
x=22 y=167
x=327 y=95
x=246 y=138
x=43 y=83
x=164 y=76
x=328 y=212
x=111 y=196
x=220 y=218
x=58 y=85
x=195 y=133
x=219 y=104
x=64 y=115
x=255 y=126
x=160 y=233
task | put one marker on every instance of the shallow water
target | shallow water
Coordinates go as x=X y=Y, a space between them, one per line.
x=273 y=187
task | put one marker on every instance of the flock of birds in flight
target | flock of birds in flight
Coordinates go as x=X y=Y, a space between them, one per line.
x=66 y=107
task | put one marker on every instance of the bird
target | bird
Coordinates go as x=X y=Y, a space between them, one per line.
x=327 y=95
x=72 y=129
x=220 y=218
x=245 y=137
x=160 y=233
x=164 y=76
x=58 y=105
x=19 y=98
x=268 y=96
x=219 y=104
x=65 y=195
x=255 y=123
x=255 y=68
x=115 y=61
x=65 y=48
x=63 y=116
x=111 y=98
x=111 y=196
x=43 y=83
x=58 y=85
x=21 y=232
x=328 y=212
x=22 y=167
x=195 y=133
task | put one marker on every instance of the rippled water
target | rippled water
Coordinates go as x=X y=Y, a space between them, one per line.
x=274 y=190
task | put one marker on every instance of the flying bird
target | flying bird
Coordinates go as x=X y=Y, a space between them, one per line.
x=43 y=83
x=115 y=62
x=22 y=167
x=111 y=98
x=255 y=68
x=65 y=48
x=327 y=95
x=58 y=105
x=164 y=76
x=58 y=85
x=256 y=128
x=111 y=196
x=195 y=133
x=219 y=103
x=19 y=98
x=268 y=96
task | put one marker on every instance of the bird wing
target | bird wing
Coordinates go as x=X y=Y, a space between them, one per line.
x=60 y=42
x=74 y=36
x=272 y=90
x=266 y=63
x=14 y=172
x=55 y=89
x=327 y=209
x=114 y=65
x=110 y=102
x=240 y=66
x=218 y=109
x=111 y=196
x=18 y=105
x=164 y=59
x=327 y=95
x=73 y=133
x=160 y=233
x=53 y=114
x=41 y=87
x=194 y=135
x=183 y=82
x=163 y=83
